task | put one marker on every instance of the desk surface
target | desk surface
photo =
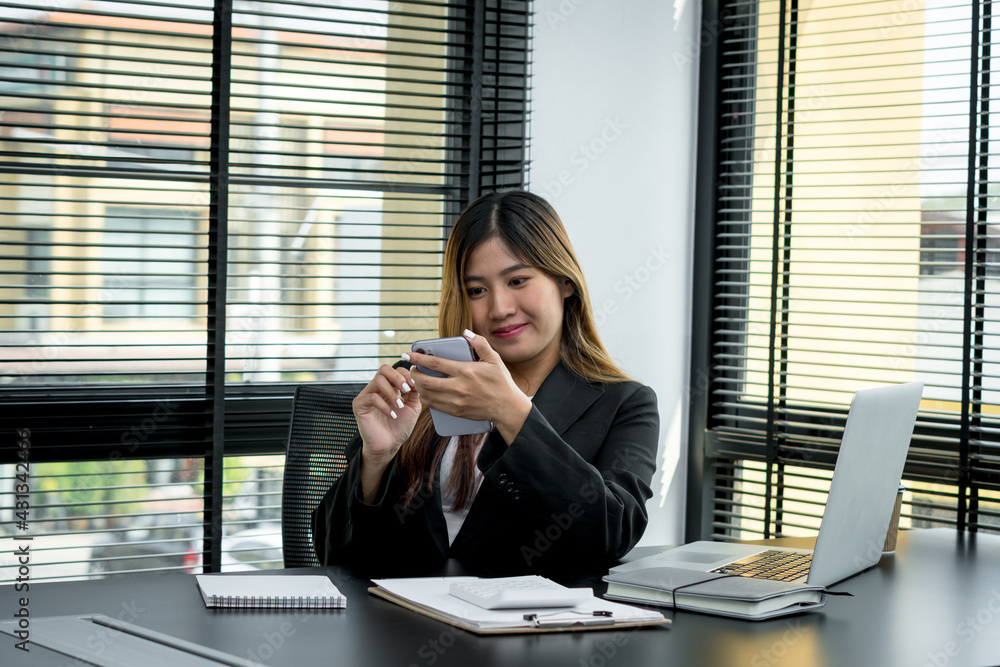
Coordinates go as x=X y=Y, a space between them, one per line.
x=935 y=603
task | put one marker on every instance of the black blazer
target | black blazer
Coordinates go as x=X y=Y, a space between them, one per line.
x=568 y=495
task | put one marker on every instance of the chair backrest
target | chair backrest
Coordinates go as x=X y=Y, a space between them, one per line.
x=322 y=425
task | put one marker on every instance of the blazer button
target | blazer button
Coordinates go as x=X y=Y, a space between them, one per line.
x=516 y=495
x=510 y=488
x=502 y=478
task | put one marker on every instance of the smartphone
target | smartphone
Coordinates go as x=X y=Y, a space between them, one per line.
x=455 y=348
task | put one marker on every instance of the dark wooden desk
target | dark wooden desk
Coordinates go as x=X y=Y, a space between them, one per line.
x=935 y=603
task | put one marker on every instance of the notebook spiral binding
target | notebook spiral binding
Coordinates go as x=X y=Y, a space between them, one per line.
x=273 y=602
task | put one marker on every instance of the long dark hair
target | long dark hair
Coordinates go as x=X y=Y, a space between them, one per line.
x=531 y=230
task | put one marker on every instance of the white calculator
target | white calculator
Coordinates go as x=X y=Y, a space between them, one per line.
x=526 y=592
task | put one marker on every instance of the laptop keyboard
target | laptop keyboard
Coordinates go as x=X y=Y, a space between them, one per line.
x=771 y=564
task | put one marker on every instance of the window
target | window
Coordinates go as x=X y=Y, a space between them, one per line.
x=37 y=280
x=205 y=204
x=26 y=71
x=847 y=230
x=149 y=268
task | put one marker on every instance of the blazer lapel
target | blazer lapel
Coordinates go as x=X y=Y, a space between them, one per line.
x=561 y=399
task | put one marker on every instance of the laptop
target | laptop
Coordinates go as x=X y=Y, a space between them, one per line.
x=858 y=509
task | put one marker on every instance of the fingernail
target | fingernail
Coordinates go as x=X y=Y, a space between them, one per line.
x=393 y=413
x=406 y=389
x=399 y=404
x=468 y=334
x=405 y=356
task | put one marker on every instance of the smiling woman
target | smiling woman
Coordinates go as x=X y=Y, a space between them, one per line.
x=560 y=483
x=518 y=308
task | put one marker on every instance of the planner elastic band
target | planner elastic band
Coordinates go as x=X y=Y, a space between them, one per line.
x=673 y=593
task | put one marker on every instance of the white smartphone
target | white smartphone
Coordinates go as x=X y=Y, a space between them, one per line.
x=455 y=348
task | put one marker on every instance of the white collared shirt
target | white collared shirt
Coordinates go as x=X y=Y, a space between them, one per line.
x=455 y=518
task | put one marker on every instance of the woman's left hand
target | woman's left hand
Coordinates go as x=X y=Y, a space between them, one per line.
x=477 y=390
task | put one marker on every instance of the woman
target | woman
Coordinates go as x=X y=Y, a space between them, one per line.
x=560 y=483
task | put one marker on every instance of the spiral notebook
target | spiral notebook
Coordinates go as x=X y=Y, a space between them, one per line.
x=269 y=591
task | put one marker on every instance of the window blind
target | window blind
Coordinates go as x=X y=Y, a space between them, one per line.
x=847 y=225
x=203 y=204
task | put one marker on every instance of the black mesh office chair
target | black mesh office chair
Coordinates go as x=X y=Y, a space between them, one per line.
x=321 y=427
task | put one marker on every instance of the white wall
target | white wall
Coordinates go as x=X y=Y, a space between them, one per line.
x=612 y=147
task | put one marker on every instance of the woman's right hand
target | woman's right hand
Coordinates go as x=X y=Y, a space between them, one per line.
x=386 y=411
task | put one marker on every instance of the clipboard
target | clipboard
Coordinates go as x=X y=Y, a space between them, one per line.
x=611 y=616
